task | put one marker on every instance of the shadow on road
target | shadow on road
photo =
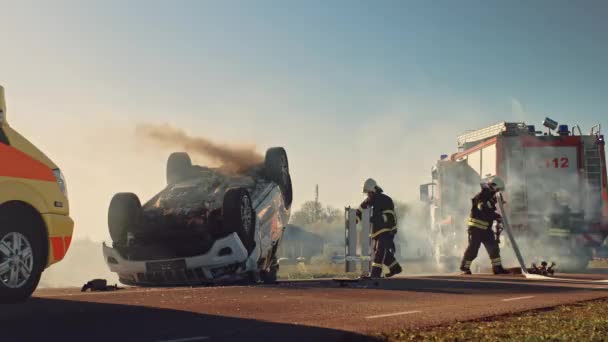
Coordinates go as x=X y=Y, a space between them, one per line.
x=62 y=320
x=451 y=285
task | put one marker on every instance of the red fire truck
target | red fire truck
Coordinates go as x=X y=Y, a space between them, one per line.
x=556 y=191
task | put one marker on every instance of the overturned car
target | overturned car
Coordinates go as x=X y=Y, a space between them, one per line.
x=208 y=225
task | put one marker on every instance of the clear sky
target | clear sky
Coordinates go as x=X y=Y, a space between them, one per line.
x=352 y=89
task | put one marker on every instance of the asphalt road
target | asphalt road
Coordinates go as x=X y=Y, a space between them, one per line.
x=289 y=311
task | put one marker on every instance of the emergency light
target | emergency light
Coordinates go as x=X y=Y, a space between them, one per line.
x=563 y=130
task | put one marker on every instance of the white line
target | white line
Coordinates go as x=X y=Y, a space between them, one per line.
x=393 y=314
x=187 y=339
x=517 y=298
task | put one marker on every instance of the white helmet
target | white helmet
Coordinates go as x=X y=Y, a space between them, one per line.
x=370 y=185
x=497 y=183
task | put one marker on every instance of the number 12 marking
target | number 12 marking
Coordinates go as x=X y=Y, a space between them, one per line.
x=557 y=163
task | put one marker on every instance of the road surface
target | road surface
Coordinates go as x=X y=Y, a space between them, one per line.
x=289 y=311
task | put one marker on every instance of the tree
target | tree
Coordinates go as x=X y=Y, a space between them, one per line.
x=313 y=212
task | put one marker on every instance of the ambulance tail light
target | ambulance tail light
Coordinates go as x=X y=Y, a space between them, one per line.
x=61 y=181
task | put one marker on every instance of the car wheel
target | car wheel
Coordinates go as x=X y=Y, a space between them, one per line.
x=276 y=167
x=179 y=166
x=23 y=254
x=238 y=216
x=124 y=216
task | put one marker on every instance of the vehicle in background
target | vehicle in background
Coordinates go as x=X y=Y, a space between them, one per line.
x=208 y=225
x=35 y=227
x=556 y=191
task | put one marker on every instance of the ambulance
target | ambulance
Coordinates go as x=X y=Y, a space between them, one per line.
x=35 y=226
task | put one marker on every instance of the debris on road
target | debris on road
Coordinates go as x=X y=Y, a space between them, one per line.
x=543 y=269
x=99 y=285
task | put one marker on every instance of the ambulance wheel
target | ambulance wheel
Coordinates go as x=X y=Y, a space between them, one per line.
x=276 y=166
x=179 y=166
x=238 y=216
x=124 y=216
x=23 y=252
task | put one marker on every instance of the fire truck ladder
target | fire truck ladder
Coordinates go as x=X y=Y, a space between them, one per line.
x=593 y=167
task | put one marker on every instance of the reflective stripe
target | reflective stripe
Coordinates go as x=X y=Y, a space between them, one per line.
x=496 y=262
x=392 y=212
x=376 y=265
x=467 y=263
x=479 y=205
x=58 y=247
x=559 y=232
x=383 y=231
x=393 y=264
x=17 y=164
x=478 y=223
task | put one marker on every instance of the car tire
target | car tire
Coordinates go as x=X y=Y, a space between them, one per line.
x=238 y=216
x=124 y=216
x=179 y=166
x=22 y=223
x=276 y=167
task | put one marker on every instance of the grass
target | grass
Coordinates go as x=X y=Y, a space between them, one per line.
x=587 y=321
x=314 y=271
x=598 y=263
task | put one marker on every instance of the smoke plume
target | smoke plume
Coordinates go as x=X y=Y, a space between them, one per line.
x=232 y=158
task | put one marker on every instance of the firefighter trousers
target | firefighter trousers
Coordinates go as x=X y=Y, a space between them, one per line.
x=384 y=253
x=478 y=236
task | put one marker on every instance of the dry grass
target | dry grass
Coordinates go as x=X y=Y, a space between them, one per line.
x=598 y=263
x=314 y=271
x=586 y=321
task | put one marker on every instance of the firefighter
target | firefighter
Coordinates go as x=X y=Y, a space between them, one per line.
x=384 y=228
x=483 y=214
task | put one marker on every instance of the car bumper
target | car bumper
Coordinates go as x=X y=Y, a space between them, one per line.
x=215 y=265
x=60 y=230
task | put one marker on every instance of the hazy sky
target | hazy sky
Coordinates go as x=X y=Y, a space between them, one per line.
x=352 y=89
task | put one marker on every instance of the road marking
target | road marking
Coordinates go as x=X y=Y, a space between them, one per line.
x=393 y=314
x=517 y=298
x=187 y=339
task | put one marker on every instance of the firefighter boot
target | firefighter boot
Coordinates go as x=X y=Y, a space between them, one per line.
x=465 y=267
x=499 y=270
x=376 y=272
x=395 y=269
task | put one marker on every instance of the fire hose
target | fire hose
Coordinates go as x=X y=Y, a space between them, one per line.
x=505 y=225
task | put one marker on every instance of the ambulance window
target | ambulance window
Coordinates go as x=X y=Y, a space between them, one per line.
x=3 y=138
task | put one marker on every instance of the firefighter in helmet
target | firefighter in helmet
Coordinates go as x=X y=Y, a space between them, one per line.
x=483 y=214
x=384 y=228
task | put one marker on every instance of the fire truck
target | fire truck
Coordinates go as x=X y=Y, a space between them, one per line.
x=556 y=195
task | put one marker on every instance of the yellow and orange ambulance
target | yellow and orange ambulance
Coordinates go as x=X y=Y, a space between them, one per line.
x=35 y=227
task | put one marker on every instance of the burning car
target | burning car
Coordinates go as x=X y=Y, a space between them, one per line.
x=207 y=225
